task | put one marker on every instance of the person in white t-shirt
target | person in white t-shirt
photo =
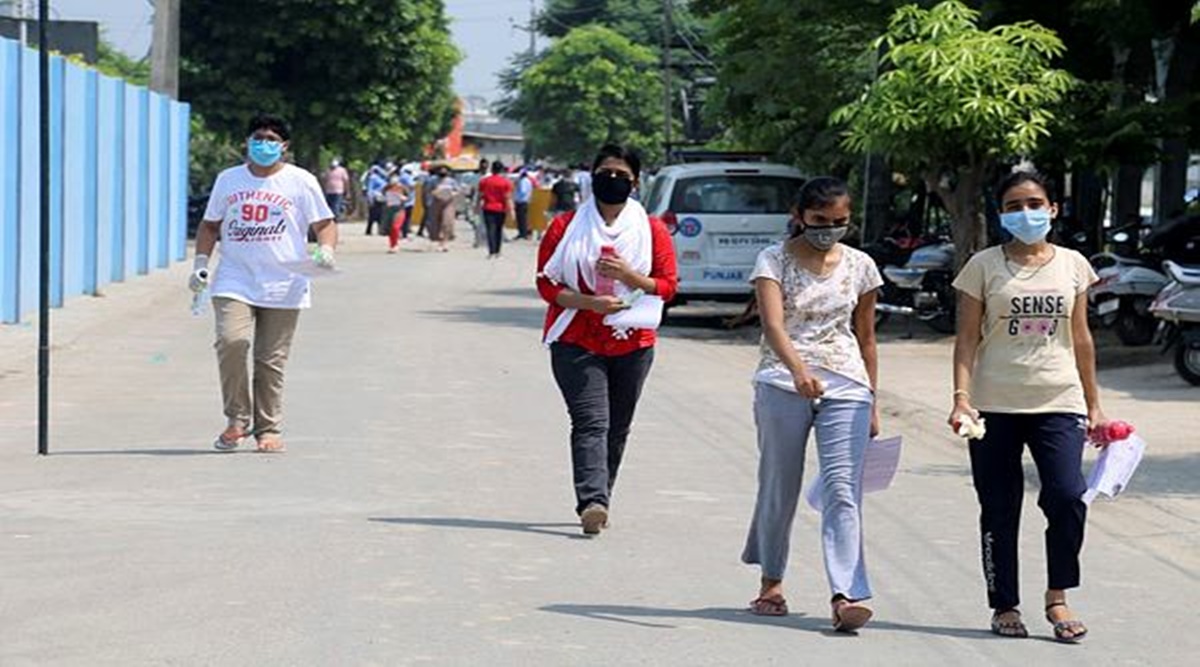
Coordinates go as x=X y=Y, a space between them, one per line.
x=261 y=212
x=817 y=372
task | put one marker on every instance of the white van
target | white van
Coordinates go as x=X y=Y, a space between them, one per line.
x=721 y=214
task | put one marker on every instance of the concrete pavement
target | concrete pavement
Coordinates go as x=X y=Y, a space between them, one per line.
x=423 y=512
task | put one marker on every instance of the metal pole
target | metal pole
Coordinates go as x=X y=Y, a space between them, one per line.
x=44 y=199
x=668 y=29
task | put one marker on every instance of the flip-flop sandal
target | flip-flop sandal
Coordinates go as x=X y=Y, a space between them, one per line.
x=773 y=606
x=223 y=444
x=850 y=616
x=1069 y=631
x=1013 y=628
x=270 y=445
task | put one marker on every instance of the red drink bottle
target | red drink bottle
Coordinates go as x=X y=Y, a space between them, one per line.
x=604 y=284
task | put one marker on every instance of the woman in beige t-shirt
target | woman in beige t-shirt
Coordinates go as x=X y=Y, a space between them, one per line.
x=1024 y=361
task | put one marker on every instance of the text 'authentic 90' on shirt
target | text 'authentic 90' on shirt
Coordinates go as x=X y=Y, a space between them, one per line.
x=817 y=315
x=1026 y=360
x=264 y=229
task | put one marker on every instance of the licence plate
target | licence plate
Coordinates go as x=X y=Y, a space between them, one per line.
x=739 y=248
x=1110 y=306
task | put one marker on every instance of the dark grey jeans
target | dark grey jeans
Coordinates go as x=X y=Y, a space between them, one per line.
x=601 y=394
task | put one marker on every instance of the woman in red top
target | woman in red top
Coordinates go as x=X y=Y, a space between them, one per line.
x=591 y=263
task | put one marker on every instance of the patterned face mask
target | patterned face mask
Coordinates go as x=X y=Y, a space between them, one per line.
x=824 y=238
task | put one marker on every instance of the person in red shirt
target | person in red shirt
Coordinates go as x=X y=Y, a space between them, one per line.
x=496 y=202
x=591 y=262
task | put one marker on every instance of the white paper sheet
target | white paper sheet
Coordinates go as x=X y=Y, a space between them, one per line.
x=879 y=469
x=1114 y=467
x=645 y=313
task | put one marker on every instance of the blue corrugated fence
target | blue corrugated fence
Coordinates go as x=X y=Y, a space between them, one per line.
x=118 y=170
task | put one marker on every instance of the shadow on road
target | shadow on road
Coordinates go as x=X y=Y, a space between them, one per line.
x=144 y=452
x=513 y=316
x=628 y=614
x=1167 y=476
x=488 y=524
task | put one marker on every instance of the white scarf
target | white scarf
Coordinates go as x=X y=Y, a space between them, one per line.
x=579 y=250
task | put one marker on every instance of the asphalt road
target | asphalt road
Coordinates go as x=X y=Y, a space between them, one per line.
x=423 y=512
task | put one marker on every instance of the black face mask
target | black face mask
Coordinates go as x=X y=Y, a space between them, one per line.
x=611 y=190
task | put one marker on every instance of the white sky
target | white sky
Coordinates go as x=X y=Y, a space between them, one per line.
x=482 y=29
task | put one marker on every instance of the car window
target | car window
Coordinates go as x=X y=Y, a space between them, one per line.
x=735 y=194
x=655 y=194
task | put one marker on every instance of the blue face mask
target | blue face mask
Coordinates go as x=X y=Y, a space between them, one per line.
x=264 y=152
x=1028 y=227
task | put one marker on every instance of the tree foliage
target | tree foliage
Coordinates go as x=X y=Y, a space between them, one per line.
x=590 y=87
x=784 y=66
x=364 y=77
x=954 y=100
x=112 y=62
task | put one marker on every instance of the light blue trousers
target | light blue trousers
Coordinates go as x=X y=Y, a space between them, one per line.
x=843 y=428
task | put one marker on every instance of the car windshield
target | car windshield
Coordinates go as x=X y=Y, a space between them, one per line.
x=735 y=194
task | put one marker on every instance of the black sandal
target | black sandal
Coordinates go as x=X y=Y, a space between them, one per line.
x=1014 y=628
x=1069 y=631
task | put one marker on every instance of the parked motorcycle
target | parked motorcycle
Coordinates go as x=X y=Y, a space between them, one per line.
x=1122 y=296
x=1178 y=306
x=925 y=282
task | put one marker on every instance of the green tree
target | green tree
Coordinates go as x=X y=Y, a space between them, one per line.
x=364 y=77
x=590 y=87
x=955 y=101
x=112 y=62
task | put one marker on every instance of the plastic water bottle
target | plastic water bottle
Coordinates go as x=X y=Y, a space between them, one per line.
x=604 y=284
x=200 y=303
x=1111 y=431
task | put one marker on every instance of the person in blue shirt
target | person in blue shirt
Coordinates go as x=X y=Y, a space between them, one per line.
x=410 y=186
x=521 y=197
x=376 y=182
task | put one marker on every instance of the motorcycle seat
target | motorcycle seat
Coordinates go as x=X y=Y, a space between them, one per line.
x=1183 y=274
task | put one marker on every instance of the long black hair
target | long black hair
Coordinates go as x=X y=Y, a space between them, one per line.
x=1019 y=177
x=619 y=152
x=817 y=193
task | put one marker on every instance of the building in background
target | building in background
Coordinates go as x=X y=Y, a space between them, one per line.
x=70 y=38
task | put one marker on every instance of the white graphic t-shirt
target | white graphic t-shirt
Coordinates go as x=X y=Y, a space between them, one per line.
x=1026 y=358
x=264 y=228
x=817 y=314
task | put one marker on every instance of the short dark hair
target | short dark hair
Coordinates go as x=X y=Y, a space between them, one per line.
x=1020 y=177
x=619 y=152
x=820 y=192
x=264 y=121
x=497 y=167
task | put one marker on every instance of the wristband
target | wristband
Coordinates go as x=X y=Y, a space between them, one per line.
x=200 y=262
x=961 y=392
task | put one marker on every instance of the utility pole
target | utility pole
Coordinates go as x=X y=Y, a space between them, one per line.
x=43 y=429
x=164 y=50
x=20 y=12
x=532 y=30
x=668 y=33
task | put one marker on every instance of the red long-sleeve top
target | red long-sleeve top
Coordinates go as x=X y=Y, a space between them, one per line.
x=588 y=329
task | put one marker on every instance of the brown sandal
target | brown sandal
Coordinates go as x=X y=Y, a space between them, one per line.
x=775 y=605
x=849 y=615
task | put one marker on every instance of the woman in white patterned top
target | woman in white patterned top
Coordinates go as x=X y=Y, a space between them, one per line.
x=818 y=371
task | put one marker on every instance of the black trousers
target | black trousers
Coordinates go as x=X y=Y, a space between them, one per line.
x=1056 y=442
x=601 y=394
x=495 y=230
x=374 y=217
x=522 y=215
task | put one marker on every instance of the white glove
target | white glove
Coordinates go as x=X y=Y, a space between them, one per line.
x=198 y=280
x=323 y=257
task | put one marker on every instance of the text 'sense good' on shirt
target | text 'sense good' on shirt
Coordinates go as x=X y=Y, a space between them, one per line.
x=818 y=312
x=1026 y=358
x=264 y=227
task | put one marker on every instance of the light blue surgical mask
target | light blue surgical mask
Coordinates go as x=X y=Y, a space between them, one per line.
x=264 y=152
x=1027 y=226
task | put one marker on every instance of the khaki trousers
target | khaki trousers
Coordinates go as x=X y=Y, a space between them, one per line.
x=269 y=331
